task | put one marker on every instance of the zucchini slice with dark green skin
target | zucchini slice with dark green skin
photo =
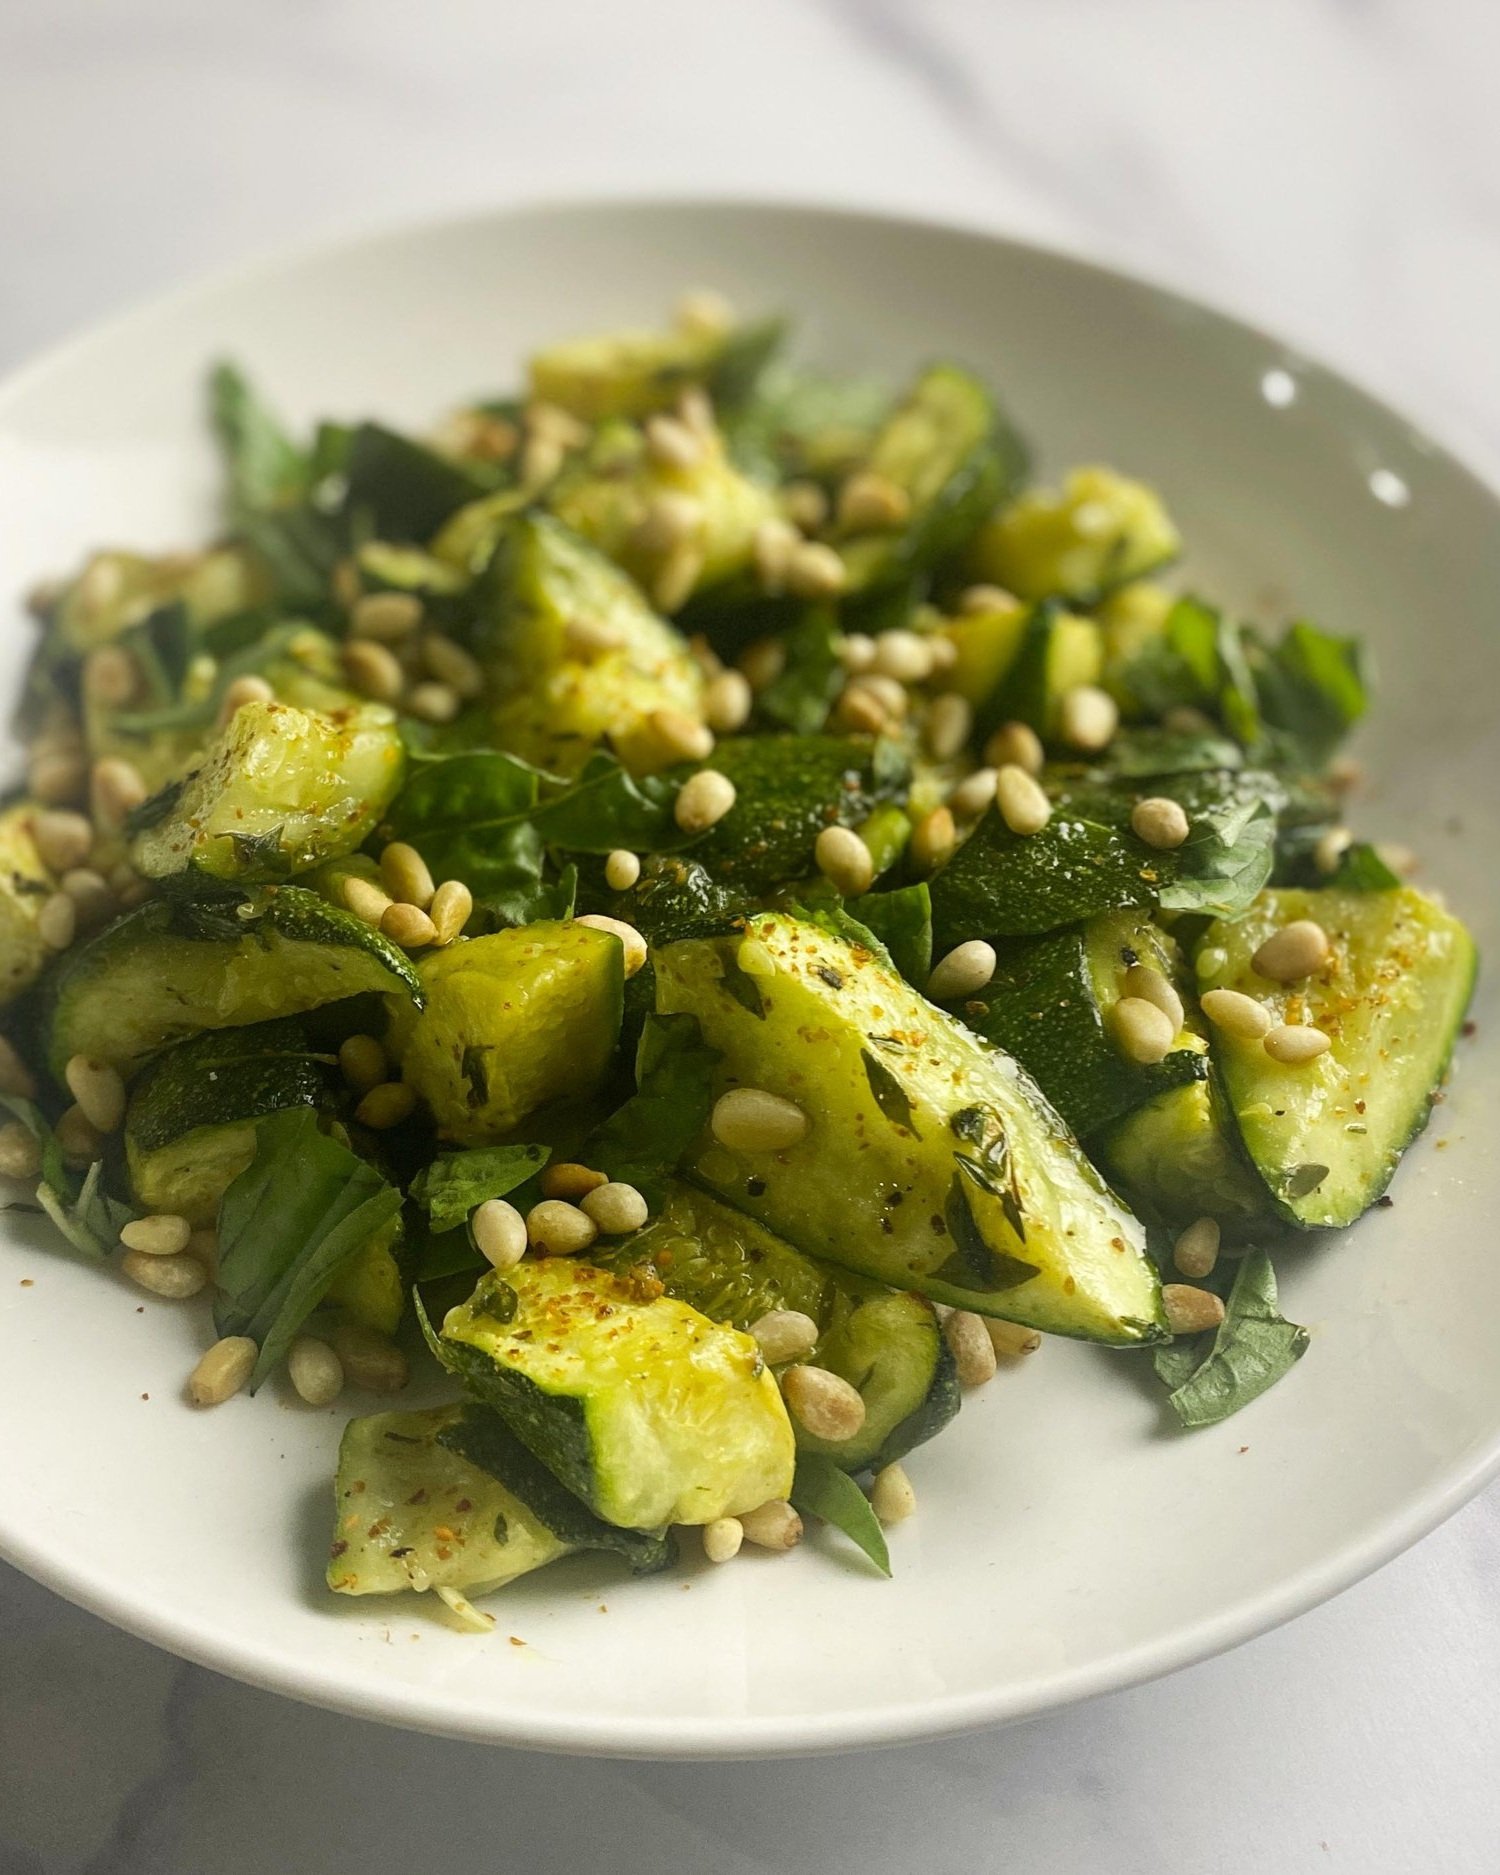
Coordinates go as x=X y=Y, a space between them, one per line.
x=931 y=1161
x=1099 y=531
x=1326 y=1135
x=1178 y=1157
x=1058 y=650
x=644 y=1408
x=632 y=374
x=190 y=1125
x=885 y=1342
x=175 y=967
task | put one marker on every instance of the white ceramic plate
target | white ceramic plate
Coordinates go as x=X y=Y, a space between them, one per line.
x=1067 y=1541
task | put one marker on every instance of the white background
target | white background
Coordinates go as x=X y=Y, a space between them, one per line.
x=1329 y=167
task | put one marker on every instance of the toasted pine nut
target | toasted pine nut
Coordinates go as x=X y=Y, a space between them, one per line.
x=1296 y=951
x=448 y=661
x=110 y=676
x=386 y=1105
x=703 y=800
x=386 y=616
x=616 y=1208
x=499 y=1233
x=859 y=712
x=1088 y=717
x=1329 y=852
x=622 y=869
x=1190 y=1311
x=774 y=1525
x=1160 y=822
x=974 y=795
x=933 y=840
x=671 y=444
x=365 y=899
x=81 y=1143
x=116 y=788
x=749 y=1119
x=92 y=898
x=222 y=1371
x=99 y=1091
x=1011 y=1340
x=844 y=859
x=970 y=1345
x=903 y=655
x=762 y=662
x=891 y=1497
x=566 y=1178
x=975 y=599
x=163 y=1234
x=57 y=777
x=1023 y=803
x=16 y=1078
x=872 y=503
x=20 y=1151
x=433 y=702
x=948 y=725
x=243 y=690
x=815 y=571
x=784 y=1335
x=823 y=1402
x=1236 y=1013
x=1197 y=1248
x=315 y=1371
x=363 y=1063
x=1015 y=745
x=722 y=1539
x=408 y=926
x=173 y=1277
x=680 y=737
x=636 y=951
x=965 y=970
x=57 y=921
x=671 y=520
x=556 y=1229
x=775 y=543
x=1294 y=1043
x=1144 y=1032
x=403 y=872
x=370 y=1360
x=63 y=838
x=1153 y=986
x=451 y=909
x=727 y=702
x=805 y=504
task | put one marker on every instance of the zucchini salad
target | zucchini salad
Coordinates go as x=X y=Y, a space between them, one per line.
x=701 y=906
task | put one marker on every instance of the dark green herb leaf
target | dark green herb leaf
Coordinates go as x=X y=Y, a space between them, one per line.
x=78 y=1205
x=608 y=807
x=901 y=922
x=1312 y=688
x=266 y=468
x=287 y=1225
x=1363 y=870
x=406 y=489
x=744 y=989
x=470 y=817
x=1225 y=861
x=821 y=1489
x=455 y=1182
x=643 y=1140
x=803 y=694
x=1249 y=1352
x=888 y=1093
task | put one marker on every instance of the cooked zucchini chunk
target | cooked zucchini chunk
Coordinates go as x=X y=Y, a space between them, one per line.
x=985 y=645
x=509 y=1022
x=576 y=656
x=1325 y=1135
x=1100 y=530
x=929 y=1160
x=884 y=1342
x=940 y=448
x=633 y=373
x=644 y=1408
x=190 y=1125
x=1133 y=619
x=371 y=1287
x=1058 y=650
x=280 y=790
x=25 y=885
x=116 y=590
x=1178 y=1158
x=168 y=970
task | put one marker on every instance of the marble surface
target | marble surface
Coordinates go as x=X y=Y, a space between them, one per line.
x=1331 y=167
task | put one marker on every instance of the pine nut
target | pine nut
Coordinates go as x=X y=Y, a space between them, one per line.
x=762 y=662
x=695 y=408
x=1023 y=802
x=704 y=313
x=823 y=1403
x=223 y=1371
x=99 y=1091
x=727 y=701
x=1160 y=822
x=386 y=616
x=671 y=520
x=20 y=1151
x=365 y=899
x=1015 y=745
x=174 y=1278
x=635 y=947
x=372 y=670
x=542 y=456
x=815 y=571
x=57 y=922
x=448 y=661
x=891 y=1497
x=1190 y=1311
x=1236 y=1013
x=1294 y=1043
x=1087 y=717
x=617 y=1209
x=943 y=652
x=805 y=504
x=622 y=869
x=1401 y=859
x=970 y=1345
x=774 y=544
x=370 y=1360
x=974 y=794
x=749 y=1119
x=110 y=675
x=243 y=690
x=588 y=639
x=932 y=840
x=404 y=873
x=965 y=971
x=407 y=926
x=676 y=577
x=856 y=652
x=362 y=1062
x=499 y=1233
x=774 y=1525
x=16 y=1079
x=566 y=1178
x=92 y=898
x=704 y=656
x=203 y=1247
x=703 y=801
x=116 y=789
x=1328 y=854
x=1296 y=951
x=57 y=778
x=163 y=1234
x=557 y=1229
x=63 y=838
x=1152 y=986
x=543 y=419
x=976 y=599
x=904 y=655
x=386 y=1105
x=315 y=1371
x=81 y=1143
x=722 y=1539
x=671 y=444
x=1197 y=1248
x=451 y=909
x=892 y=696
x=784 y=1335
x=844 y=859
x=947 y=725
x=680 y=737
x=860 y=713
x=1144 y=1032
x=433 y=702
x=1010 y=1340
x=872 y=503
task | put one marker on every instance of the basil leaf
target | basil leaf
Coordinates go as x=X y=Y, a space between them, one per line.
x=406 y=490
x=804 y=693
x=821 y=1489
x=901 y=923
x=288 y=1224
x=1249 y=1351
x=608 y=807
x=1312 y=688
x=642 y=1141
x=888 y=1093
x=266 y=468
x=1225 y=860
x=1361 y=869
x=455 y=1182
x=88 y=1217
x=469 y=815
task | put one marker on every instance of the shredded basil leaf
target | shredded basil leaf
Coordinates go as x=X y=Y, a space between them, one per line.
x=821 y=1489
x=1212 y=1377
x=642 y=1141
x=455 y=1182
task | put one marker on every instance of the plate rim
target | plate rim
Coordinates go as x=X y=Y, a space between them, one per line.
x=847 y=1729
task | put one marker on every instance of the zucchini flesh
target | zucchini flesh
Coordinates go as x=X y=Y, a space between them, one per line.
x=884 y=1342
x=169 y=970
x=25 y=886
x=1178 y=1158
x=1325 y=1136
x=1100 y=530
x=633 y=373
x=1058 y=650
x=510 y=1022
x=931 y=1162
x=644 y=1408
x=986 y=645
